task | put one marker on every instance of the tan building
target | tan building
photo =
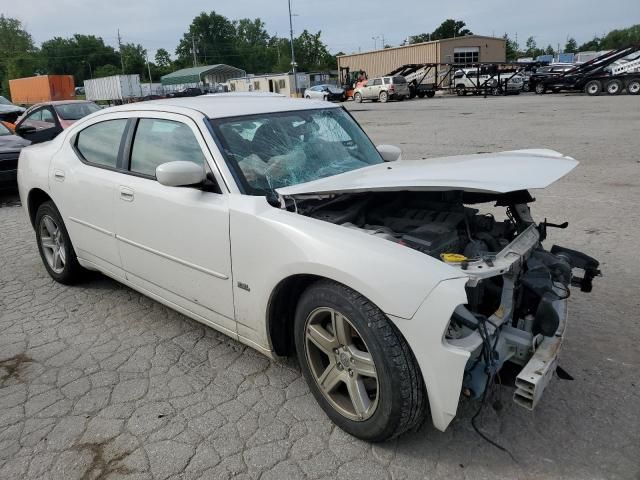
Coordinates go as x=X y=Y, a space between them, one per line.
x=469 y=49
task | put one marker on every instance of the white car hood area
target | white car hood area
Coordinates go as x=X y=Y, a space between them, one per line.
x=500 y=172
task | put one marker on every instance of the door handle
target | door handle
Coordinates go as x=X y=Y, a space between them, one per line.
x=58 y=175
x=126 y=194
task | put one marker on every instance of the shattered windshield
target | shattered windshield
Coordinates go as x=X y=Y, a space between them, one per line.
x=274 y=150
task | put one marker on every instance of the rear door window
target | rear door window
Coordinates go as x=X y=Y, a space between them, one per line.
x=99 y=143
x=159 y=141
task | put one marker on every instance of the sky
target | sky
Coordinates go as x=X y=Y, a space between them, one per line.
x=346 y=26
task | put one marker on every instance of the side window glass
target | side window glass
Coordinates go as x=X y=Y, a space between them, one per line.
x=159 y=141
x=99 y=143
x=47 y=117
x=34 y=117
x=387 y=81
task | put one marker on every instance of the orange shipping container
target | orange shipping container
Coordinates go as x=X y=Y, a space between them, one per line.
x=43 y=88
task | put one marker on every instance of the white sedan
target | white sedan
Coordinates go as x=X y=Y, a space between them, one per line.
x=279 y=223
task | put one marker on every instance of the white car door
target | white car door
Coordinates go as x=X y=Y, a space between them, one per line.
x=83 y=179
x=174 y=241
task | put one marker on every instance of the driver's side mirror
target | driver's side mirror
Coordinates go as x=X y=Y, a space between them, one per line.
x=180 y=174
x=389 y=153
x=22 y=129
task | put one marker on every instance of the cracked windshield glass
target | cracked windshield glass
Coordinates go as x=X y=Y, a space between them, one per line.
x=280 y=149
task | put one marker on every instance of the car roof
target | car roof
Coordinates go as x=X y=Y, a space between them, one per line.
x=226 y=104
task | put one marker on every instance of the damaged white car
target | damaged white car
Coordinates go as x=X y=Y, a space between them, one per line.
x=400 y=284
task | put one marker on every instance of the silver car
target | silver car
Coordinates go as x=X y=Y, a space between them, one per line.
x=329 y=93
x=383 y=89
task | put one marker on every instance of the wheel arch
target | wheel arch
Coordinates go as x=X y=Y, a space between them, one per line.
x=36 y=198
x=281 y=310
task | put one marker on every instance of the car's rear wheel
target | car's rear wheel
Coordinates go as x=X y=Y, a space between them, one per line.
x=357 y=98
x=431 y=94
x=613 y=87
x=383 y=97
x=357 y=364
x=55 y=246
x=461 y=90
x=592 y=88
x=633 y=87
x=540 y=88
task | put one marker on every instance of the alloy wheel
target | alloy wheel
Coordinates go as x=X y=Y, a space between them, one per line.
x=52 y=243
x=341 y=364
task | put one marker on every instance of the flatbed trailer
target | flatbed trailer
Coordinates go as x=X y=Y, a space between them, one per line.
x=489 y=78
x=600 y=75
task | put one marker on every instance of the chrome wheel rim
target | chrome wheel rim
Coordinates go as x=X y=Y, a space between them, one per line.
x=52 y=243
x=613 y=88
x=634 y=87
x=341 y=364
x=593 y=88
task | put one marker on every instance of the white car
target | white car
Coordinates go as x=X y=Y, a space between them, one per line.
x=279 y=223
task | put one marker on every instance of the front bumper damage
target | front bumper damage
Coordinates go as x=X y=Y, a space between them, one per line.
x=454 y=364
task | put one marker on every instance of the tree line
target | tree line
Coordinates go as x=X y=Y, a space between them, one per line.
x=211 y=38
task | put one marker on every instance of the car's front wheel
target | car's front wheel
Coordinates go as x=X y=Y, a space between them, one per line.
x=357 y=364
x=357 y=98
x=55 y=246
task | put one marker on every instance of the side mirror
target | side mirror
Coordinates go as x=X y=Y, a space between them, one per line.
x=389 y=153
x=180 y=174
x=22 y=129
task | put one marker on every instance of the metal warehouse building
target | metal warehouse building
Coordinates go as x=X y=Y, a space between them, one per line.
x=468 y=49
x=202 y=76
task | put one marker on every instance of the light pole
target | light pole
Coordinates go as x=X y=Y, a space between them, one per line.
x=293 y=55
x=90 y=70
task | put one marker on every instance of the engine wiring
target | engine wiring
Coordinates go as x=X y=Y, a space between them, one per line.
x=490 y=356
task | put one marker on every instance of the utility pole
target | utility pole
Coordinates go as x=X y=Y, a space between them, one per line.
x=120 y=49
x=149 y=70
x=293 y=55
x=193 y=49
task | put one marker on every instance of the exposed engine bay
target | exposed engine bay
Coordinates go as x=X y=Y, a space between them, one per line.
x=517 y=290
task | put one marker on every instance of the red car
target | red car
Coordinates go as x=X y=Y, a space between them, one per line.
x=44 y=121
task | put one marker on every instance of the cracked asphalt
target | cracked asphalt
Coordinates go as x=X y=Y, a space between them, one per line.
x=100 y=382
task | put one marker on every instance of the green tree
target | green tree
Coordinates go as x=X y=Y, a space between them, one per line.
x=162 y=58
x=532 y=48
x=571 y=46
x=311 y=52
x=252 y=45
x=107 y=71
x=214 y=37
x=79 y=55
x=134 y=57
x=18 y=54
x=594 y=44
x=422 y=37
x=621 y=38
x=549 y=50
x=450 y=28
x=512 y=48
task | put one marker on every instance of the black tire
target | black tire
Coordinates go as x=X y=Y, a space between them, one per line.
x=71 y=272
x=540 y=88
x=401 y=396
x=421 y=94
x=431 y=93
x=307 y=97
x=633 y=87
x=357 y=97
x=593 y=88
x=613 y=87
x=401 y=98
x=461 y=90
x=383 y=97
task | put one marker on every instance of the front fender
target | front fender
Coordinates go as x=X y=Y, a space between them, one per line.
x=270 y=244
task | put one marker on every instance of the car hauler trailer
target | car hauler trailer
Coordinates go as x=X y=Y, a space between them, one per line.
x=480 y=78
x=600 y=74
